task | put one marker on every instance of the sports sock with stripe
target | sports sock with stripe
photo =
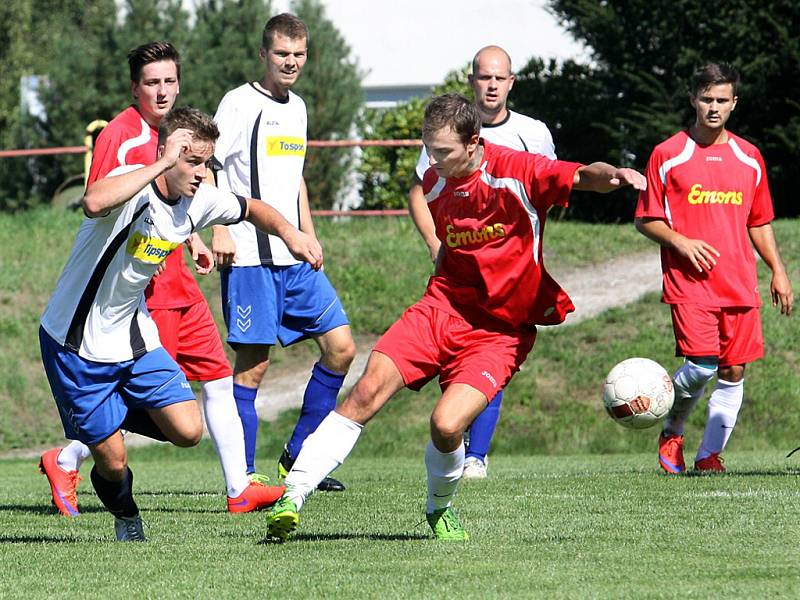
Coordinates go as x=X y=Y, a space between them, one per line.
x=444 y=472
x=323 y=451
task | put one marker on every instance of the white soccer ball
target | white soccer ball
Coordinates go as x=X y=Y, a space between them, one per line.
x=638 y=393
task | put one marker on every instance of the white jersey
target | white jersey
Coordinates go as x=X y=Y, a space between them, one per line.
x=98 y=309
x=260 y=154
x=516 y=131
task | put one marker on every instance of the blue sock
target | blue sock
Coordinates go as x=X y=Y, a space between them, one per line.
x=246 y=407
x=318 y=401
x=482 y=429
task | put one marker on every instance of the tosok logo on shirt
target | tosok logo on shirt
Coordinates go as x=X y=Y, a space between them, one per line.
x=149 y=250
x=285 y=146
x=697 y=195
x=463 y=237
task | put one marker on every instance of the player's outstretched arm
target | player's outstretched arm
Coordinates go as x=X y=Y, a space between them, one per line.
x=423 y=221
x=780 y=288
x=702 y=255
x=602 y=177
x=302 y=246
x=106 y=194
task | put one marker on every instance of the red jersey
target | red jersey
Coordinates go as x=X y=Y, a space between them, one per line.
x=129 y=140
x=491 y=224
x=712 y=193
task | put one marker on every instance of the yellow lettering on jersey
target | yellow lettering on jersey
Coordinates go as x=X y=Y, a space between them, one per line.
x=285 y=146
x=149 y=250
x=697 y=195
x=456 y=238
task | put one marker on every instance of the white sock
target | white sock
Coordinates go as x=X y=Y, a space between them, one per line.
x=72 y=455
x=226 y=432
x=690 y=383
x=444 y=473
x=723 y=408
x=322 y=452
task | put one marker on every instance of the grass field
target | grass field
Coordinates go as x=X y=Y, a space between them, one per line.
x=541 y=527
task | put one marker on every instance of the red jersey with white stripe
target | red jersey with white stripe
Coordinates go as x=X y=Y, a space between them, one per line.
x=491 y=224
x=129 y=140
x=711 y=193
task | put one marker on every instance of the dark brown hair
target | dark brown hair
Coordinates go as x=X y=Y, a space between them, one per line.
x=201 y=125
x=713 y=74
x=454 y=111
x=285 y=24
x=150 y=53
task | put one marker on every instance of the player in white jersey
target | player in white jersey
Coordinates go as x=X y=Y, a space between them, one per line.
x=491 y=80
x=267 y=295
x=100 y=348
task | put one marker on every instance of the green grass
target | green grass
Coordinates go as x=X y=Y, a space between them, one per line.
x=378 y=265
x=541 y=527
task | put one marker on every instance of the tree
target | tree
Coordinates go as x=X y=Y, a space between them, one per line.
x=222 y=52
x=331 y=88
x=387 y=173
x=634 y=94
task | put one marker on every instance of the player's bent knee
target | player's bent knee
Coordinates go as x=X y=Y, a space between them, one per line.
x=339 y=358
x=446 y=428
x=188 y=435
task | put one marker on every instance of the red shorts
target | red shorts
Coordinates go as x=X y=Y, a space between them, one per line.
x=426 y=342
x=190 y=336
x=732 y=333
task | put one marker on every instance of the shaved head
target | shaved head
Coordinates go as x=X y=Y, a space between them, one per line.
x=491 y=53
x=491 y=80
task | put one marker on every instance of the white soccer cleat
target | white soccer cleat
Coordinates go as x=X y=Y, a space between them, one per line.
x=129 y=529
x=474 y=468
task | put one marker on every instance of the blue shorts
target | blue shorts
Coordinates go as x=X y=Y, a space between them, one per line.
x=93 y=398
x=263 y=305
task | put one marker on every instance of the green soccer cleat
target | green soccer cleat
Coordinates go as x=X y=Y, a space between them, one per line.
x=282 y=519
x=445 y=525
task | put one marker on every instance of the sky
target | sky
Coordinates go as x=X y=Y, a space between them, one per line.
x=425 y=39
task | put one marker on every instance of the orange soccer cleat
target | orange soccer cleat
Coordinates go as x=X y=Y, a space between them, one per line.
x=670 y=453
x=255 y=497
x=710 y=464
x=63 y=484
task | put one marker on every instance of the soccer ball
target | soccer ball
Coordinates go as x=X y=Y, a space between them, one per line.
x=638 y=393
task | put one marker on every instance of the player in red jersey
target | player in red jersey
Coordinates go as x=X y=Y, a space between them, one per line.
x=186 y=327
x=476 y=322
x=708 y=204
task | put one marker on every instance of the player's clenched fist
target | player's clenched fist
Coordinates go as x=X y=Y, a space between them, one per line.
x=305 y=247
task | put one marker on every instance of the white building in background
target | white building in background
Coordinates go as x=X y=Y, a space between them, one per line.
x=407 y=46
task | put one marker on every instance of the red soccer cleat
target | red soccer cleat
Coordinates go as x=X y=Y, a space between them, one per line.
x=63 y=484
x=670 y=453
x=710 y=464
x=255 y=497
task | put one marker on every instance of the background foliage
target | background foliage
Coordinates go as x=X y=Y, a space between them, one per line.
x=633 y=93
x=82 y=59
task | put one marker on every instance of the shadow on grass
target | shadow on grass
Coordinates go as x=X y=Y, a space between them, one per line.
x=336 y=537
x=38 y=539
x=752 y=473
x=44 y=509
x=188 y=493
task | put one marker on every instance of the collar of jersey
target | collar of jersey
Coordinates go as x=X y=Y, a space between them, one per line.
x=162 y=197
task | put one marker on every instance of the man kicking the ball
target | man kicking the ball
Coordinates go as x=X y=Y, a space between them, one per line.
x=476 y=321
